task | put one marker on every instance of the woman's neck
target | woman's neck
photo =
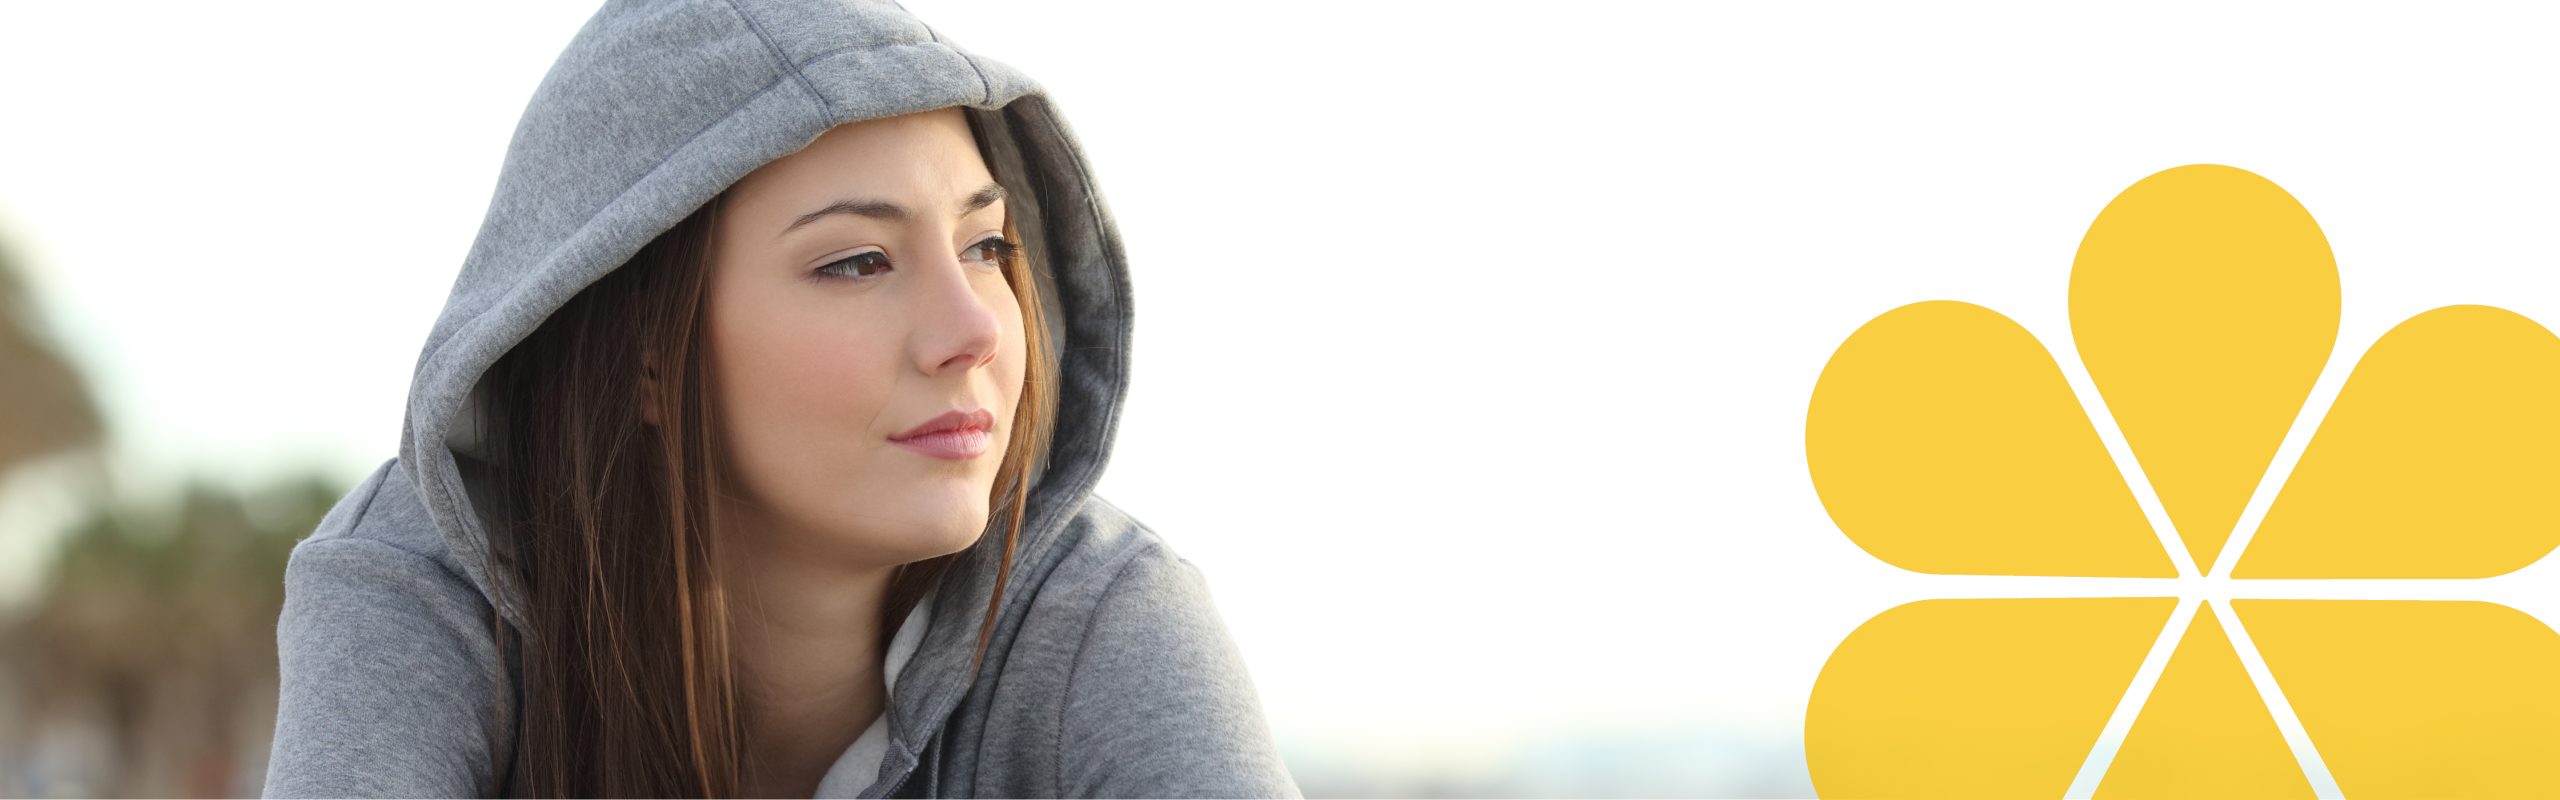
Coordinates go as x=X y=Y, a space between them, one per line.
x=809 y=658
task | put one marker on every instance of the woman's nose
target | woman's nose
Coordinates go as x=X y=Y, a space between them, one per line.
x=956 y=325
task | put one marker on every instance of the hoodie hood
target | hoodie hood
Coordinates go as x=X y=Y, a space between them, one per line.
x=658 y=105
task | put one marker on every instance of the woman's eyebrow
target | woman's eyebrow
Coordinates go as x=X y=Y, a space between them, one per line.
x=884 y=210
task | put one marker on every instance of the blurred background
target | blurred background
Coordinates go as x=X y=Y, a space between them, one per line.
x=1578 y=265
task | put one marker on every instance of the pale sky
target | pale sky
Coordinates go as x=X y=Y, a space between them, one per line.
x=1474 y=340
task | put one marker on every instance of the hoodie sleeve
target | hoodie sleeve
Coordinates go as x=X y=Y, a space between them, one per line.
x=386 y=661
x=1158 y=702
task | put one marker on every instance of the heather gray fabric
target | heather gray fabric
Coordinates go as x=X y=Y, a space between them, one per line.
x=860 y=762
x=1109 y=672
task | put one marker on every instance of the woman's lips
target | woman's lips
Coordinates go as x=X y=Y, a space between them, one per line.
x=958 y=445
x=955 y=435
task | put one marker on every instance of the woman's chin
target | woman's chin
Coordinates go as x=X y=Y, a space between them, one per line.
x=921 y=534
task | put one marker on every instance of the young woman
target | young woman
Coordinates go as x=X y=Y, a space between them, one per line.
x=752 y=455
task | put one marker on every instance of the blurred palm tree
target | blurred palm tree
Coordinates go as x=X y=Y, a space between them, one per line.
x=44 y=406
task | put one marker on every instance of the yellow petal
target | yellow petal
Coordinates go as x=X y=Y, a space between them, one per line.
x=1974 y=698
x=2419 y=699
x=2441 y=459
x=1942 y=439
x=2204 y=732
x=2204 y=302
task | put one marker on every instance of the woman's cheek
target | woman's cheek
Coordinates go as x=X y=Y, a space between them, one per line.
x=803 y=396
x=832 y=390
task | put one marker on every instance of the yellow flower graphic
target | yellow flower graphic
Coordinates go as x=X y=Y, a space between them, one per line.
x=1944 y=439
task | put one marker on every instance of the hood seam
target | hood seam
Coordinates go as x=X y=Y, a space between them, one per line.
x=986 y=90
x=788 y=68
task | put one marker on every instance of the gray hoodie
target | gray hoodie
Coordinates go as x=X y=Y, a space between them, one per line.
x=1109 y=672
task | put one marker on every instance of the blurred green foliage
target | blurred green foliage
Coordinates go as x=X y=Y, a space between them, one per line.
x=152 y=640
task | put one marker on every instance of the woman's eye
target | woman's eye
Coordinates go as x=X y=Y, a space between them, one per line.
x=993 y=250
x=859 y=265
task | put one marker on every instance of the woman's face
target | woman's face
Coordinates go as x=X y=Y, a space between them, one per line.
x=855 y=298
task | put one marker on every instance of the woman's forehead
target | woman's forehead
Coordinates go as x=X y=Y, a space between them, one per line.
x=926 y=153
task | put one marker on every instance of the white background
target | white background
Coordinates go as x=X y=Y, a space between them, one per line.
x=1474 y=339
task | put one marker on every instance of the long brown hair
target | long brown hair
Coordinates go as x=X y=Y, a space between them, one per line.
x=628 y=683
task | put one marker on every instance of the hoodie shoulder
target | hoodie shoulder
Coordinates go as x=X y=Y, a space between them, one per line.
x=387 y=659
x=387 y=510
x=1147 y=695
